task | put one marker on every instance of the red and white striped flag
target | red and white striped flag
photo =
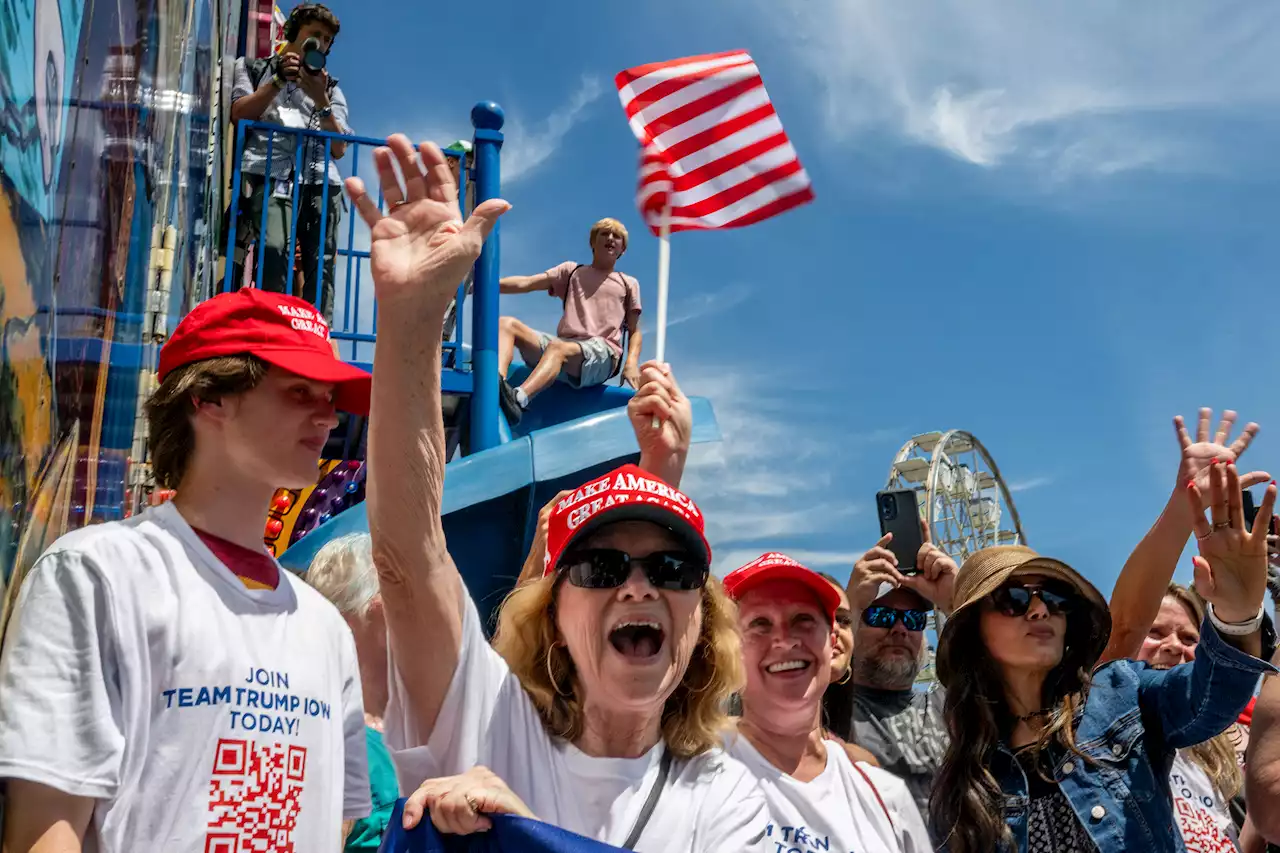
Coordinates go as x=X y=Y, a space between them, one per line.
x=712 y=147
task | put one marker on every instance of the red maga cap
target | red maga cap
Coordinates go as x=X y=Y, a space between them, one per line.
x=627 y=494
x=775 y=566
x=283 y=331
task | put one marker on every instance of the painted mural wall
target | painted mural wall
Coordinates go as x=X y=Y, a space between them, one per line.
x=106 y=152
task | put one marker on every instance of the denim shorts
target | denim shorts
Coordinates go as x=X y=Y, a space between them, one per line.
x=597 y=362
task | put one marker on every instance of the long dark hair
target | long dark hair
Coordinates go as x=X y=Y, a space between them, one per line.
x=967 y=804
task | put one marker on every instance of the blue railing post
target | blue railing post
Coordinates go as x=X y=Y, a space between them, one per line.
x=229 y=262
x=486 y=118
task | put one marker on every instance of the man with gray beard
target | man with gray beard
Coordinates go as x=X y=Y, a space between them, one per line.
x=902 y=727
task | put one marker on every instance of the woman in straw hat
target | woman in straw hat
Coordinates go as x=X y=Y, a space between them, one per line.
x=1045 y=755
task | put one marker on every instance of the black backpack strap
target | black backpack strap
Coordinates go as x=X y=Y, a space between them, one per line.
x=257 y=69
x=646 y=812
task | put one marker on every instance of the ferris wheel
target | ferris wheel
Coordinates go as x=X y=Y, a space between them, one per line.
x=959 y=491
x=962 y=496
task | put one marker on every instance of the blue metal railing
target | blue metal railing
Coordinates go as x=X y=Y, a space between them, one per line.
x=354 y=338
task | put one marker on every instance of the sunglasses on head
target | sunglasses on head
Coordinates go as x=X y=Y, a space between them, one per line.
x=1014 y=599
x=879 y=616
x=607 y=568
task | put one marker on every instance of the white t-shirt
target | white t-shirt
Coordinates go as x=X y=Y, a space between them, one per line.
x=838 y=810
x=710 y=803
x=200 y=714
x=1203 y=817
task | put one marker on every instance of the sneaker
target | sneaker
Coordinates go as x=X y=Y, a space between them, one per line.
x=507 y=400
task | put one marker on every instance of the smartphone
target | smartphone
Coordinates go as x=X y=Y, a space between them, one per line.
x=900 y=516
x=1251 y=512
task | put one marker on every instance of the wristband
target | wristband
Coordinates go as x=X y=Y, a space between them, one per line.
x=278 y=81
x=1236 y=629
x=324 y=113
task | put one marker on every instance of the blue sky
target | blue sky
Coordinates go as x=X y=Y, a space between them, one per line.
x=1050 y=224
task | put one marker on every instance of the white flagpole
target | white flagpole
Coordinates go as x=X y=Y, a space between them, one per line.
x=664 y=275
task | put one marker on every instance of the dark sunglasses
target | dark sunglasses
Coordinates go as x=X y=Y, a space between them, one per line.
x=607 y=568
x=879 y=616
x=1014 y=599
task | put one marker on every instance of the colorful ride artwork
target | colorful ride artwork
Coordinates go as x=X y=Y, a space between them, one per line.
x=110 y=117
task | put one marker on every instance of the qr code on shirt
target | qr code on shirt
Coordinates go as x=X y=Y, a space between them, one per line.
x=253 y=797
x=1200 y=832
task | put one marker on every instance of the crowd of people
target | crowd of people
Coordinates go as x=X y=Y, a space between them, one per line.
x=166 y=686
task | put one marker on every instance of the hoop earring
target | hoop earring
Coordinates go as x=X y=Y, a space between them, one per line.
x=555 y=684
x=848 y=673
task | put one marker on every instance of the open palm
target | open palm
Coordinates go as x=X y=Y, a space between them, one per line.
x=1231 y=570
x=1199 y=455
x=420 y=248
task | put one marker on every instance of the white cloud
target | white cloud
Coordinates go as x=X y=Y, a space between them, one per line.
x=1070 y=89
x=528 y=147
x=700 y=304
x=1028 y=485
x=775 y=478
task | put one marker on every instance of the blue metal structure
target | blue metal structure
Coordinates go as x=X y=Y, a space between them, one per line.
x=112 y=197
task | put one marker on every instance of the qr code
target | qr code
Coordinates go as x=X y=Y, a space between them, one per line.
x=1200 y=832
x=253 y=797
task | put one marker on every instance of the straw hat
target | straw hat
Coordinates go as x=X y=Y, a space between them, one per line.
x=985 y=571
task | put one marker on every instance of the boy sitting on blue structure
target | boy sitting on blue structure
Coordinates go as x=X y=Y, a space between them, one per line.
x=601 y=306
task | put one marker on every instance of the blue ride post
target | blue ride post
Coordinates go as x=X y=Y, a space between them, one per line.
x=487 y=119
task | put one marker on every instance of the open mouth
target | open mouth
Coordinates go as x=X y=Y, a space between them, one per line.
x=787 y=666
x=637 y=640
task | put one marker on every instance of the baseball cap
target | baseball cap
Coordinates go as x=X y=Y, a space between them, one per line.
x=628 y=493
x=886 y=587
x=284 y=331
x=775 y=567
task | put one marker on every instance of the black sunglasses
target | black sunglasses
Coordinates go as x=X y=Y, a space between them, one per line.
x=1014 y=599
x=607 y=568
x=879 y=616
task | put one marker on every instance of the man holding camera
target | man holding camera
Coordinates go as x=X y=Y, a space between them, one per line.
x=292 y=89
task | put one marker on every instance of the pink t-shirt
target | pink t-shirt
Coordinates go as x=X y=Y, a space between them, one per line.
x=597 y=302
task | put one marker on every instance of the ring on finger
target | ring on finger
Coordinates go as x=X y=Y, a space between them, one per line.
x=471 y=803
x=1221 y=525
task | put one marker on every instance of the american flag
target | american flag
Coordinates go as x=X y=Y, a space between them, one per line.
x=712 y=147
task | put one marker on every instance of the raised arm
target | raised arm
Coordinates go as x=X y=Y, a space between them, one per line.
x=525 y=283
x=1198 y=700
x=419 y=251
x=1135 y=600
x=40 y=819
x=1262 y=765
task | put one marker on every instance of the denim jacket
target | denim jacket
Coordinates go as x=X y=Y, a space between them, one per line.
x=1133 y=720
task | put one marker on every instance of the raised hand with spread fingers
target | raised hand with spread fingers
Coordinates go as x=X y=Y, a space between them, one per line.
x=420 y=249
x=1231 y=569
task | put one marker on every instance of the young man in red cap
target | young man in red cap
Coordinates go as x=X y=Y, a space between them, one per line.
x=165 y=686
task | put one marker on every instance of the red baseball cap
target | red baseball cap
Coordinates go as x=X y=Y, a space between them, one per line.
x=283 y=331
x=775 y=567
x=627 y=494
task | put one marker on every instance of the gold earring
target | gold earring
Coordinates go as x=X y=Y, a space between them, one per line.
x=848 y=673
x=555 y=684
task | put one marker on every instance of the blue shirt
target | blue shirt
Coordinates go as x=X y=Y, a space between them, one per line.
x=1134 y=719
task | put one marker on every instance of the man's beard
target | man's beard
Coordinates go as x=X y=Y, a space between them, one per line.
x=896 y=673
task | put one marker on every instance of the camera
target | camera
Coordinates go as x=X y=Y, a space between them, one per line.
x=313 y=58
x=888 y=507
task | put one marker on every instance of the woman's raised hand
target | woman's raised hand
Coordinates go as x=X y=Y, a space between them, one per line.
x=1231 y=570
x=1199 y=455
x=420 y=248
